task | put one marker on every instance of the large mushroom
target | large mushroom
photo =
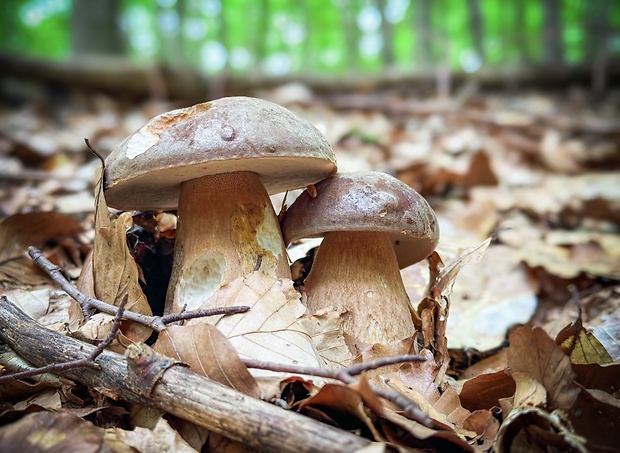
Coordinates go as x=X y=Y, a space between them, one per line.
x=373 y=225
x=217 y=163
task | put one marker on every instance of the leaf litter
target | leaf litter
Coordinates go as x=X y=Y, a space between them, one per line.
x=538 y=180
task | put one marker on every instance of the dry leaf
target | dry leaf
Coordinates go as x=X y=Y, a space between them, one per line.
x=532 y=429
x=34 y=303
x=20 y=231
x=485 y=391
x=529 y=391
x=533 y=353
x=342 y=406
x=325 y=330
x=270 y=330
x=115 y=273
x=595 y=416
x=489 y=297
x=209 y=353
x=582 y=345
x=49 y=432
x=162 y=438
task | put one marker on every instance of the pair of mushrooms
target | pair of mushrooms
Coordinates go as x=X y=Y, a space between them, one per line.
x=217 y=163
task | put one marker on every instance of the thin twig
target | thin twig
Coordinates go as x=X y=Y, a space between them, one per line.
x=157 y=323
x=345 y=375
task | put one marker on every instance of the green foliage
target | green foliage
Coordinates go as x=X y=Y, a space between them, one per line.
x=300 y=36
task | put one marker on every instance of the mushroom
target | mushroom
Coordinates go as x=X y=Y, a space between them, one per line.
x=217 y=163
x=373 y=225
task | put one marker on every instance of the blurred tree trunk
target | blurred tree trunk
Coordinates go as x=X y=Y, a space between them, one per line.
x=552 y=32
x=387 y=33
x=476 y=25
x=351 y=35
x=422 y=28
x=597 y=30
x=95 y=30
x=260 y=41
x=520 y=31
x=171 y=42
x=306 y=48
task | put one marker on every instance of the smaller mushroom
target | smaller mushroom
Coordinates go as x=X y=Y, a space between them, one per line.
x=373 y=225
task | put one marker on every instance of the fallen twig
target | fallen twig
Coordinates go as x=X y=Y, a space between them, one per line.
x=346 y=375
x=90 y=361
x=176 y=390
x=157 y=323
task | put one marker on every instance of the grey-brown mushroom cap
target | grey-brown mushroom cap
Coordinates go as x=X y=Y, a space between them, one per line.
x=366 y=201
x=230 y=134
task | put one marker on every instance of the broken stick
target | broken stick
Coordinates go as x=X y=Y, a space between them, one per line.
x=178 y=391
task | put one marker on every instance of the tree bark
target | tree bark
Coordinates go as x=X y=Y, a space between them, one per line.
x=176 y=390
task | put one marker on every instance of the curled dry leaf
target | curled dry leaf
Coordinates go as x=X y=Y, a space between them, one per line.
x=270 y=330
x=19 y=231
x=209 y=353
x=340 y=406
x=325 y=330
x=582 y=345
x=115 y=273
x=435 y=307
x=533 y=353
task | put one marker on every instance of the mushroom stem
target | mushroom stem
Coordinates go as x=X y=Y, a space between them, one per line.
x=356 y=273
x=227 y=226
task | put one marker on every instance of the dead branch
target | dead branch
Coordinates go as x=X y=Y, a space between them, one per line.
x=176 y=390
x=346 y=375
x=90 y=361
x=157 y=323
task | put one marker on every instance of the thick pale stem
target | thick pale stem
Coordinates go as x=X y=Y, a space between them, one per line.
x=227 y=226
x=357 y=274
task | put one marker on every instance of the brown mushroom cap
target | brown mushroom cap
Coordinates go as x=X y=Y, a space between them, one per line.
x=366 y=201
x=226 y=135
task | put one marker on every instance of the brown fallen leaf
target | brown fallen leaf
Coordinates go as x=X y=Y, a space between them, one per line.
x=49 y=432
x=485 y=390
x=530 y=428
x=115 y=273
x=207 y=352
x=270 y=330
x=582 y=345
x=545 y=394
x=595 y=416
x=533 y=353
x=340 y=406
x=19 y=231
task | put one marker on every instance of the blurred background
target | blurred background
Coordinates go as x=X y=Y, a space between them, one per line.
x=323 y=42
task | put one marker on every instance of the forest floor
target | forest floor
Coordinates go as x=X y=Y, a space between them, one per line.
x=522 y=333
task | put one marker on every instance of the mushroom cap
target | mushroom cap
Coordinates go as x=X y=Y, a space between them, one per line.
x=366 y=201
x=227 y=135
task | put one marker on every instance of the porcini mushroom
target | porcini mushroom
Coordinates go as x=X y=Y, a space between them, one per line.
x=217 y=162
x=373 y=225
